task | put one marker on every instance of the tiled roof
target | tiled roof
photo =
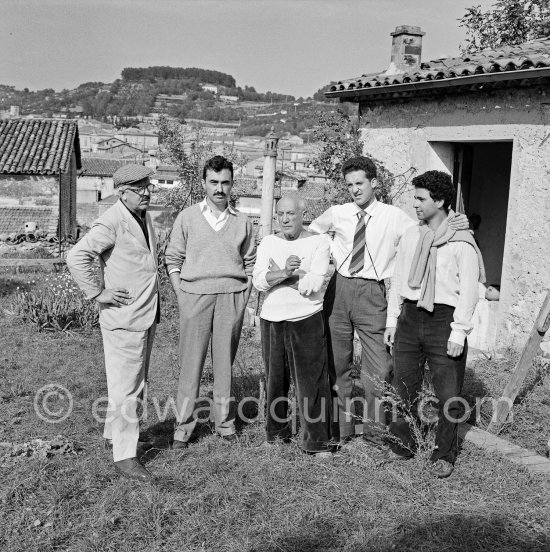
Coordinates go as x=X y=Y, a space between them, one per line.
x=13 y=219
x=314 y=208
x=97 y=166
x=524 y=61
x=37 y=146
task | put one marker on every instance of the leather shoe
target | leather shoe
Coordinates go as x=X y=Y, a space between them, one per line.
x=179 y=445
x=441 y=468
x=133 y=469
x=231 y=438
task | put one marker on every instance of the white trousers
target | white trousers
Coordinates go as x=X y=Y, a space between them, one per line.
x=127 y=357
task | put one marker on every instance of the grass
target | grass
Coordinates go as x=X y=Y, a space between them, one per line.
x=243 y=497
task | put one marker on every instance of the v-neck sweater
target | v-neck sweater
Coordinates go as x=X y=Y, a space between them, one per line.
x=211 y=262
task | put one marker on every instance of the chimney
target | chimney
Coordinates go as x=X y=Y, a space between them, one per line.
x=406 y=49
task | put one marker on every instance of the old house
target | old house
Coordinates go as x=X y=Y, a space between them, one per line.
x=94 y=183
x=115 y=147
x=485 y=119
x=144 y=140
x=39 y=159
x=166 y=176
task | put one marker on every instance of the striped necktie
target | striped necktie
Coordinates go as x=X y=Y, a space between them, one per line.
x=358 y=254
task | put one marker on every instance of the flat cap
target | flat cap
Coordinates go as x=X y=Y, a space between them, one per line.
x=130 y=174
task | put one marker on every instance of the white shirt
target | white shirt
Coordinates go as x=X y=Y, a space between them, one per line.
x=456 y=282
x=216 y=223
x=385 y=224
x=283 y=302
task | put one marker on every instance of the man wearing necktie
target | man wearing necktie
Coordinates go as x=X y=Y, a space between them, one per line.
x=366 y=235
x=123 y=240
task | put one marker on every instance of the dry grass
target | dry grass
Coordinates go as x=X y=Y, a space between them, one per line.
x=242 y=497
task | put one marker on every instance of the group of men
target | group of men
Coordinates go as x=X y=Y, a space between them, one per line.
x=308 y=319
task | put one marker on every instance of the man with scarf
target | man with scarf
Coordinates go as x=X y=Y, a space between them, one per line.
x=433 y=295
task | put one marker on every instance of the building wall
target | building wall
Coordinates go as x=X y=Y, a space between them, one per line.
x=401 y=136
x=28 y=190
x=88 y=186
x=86 y=213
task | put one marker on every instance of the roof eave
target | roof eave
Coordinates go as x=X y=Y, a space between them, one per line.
x=362 y=94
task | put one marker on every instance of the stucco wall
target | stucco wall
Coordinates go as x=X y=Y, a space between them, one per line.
x=28 y=190
x=401 y=136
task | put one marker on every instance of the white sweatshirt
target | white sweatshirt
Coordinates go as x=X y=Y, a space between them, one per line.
x=282 y=301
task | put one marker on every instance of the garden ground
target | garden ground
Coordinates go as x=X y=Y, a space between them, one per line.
x=216 y=496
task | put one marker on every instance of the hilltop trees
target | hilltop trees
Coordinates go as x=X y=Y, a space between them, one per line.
x=191 y=73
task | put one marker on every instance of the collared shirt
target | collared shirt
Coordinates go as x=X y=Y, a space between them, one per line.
x=385 y=224
x=141 y=222
x=456 y=282
x=216 y=223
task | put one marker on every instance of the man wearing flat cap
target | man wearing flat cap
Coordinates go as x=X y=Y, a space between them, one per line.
x=127 y=292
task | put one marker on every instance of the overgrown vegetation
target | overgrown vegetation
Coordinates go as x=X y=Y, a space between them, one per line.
x=244 y=497
x=56 y=304
x=506 y=23
x=339 y=139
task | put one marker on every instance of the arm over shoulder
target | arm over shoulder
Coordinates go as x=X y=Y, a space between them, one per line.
x=323 y=223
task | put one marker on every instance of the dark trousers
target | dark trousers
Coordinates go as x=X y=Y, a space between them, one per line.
x=297 y=349
x=421 y=336
x=360 y=305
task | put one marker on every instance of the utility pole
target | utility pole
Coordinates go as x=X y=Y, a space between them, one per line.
x=268 y=183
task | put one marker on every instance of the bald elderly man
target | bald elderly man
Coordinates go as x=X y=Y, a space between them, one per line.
x=127 y=292
x=291 y=268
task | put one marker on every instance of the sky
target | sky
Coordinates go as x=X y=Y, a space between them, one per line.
x=287 y=46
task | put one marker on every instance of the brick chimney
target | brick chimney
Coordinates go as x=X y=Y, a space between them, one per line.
x=406 y=49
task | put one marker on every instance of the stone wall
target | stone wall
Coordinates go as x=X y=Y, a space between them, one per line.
x=417 y=134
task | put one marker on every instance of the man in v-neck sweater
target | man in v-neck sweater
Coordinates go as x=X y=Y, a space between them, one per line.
x=210 y=259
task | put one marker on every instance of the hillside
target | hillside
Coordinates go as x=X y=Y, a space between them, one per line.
x=179 y=93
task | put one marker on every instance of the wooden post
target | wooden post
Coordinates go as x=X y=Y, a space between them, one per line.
x=268 y=183
x=530 y=350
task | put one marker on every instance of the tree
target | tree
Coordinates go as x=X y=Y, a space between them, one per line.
x=188 y=152
x=507 y=23
x=340 y=139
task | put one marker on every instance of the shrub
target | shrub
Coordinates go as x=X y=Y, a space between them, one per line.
x=56 y=305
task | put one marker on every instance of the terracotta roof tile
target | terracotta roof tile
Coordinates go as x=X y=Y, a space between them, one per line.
x=534 y=54
x=37 y=146
x=97 y=166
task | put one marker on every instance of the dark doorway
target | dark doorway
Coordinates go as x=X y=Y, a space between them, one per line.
x=481 y=173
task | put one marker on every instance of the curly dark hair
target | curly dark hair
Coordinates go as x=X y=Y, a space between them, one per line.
x=360 y=164
x=439 y=184
x=217 y=163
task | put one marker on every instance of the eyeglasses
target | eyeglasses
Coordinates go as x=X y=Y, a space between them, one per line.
x=141 y=191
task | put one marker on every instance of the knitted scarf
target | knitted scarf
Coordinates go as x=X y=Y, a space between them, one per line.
x=424 y=262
